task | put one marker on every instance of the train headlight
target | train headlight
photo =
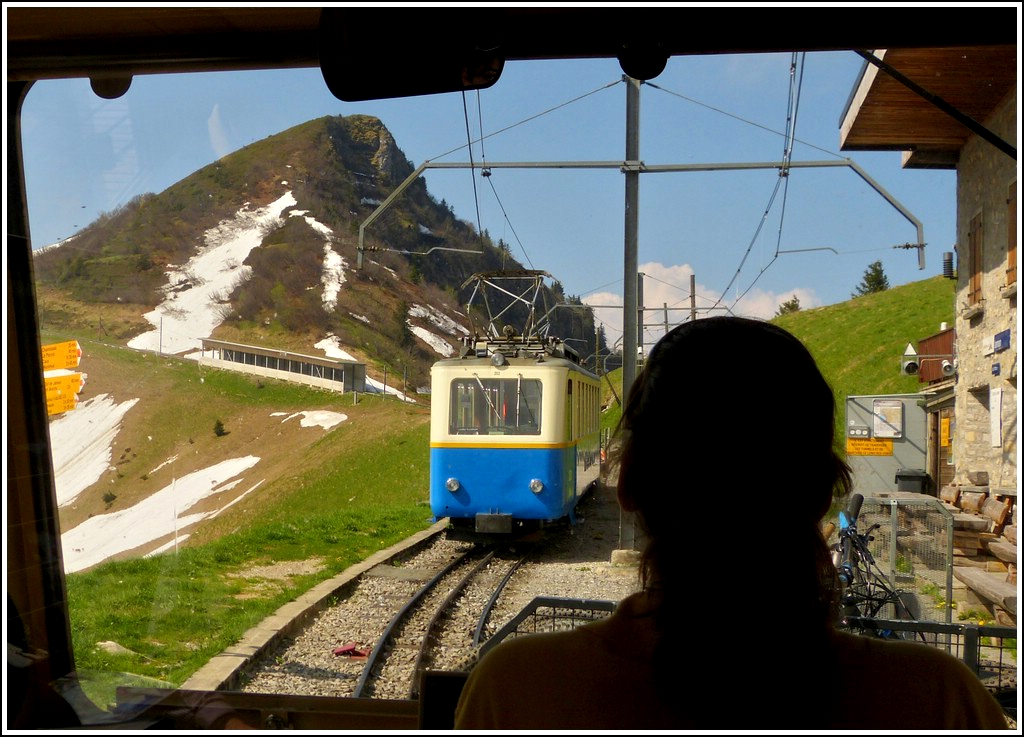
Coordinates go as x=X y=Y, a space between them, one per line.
x=452 y=484
x=536 y=486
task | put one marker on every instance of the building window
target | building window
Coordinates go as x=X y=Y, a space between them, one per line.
x=1011 y=235
x=974 y=237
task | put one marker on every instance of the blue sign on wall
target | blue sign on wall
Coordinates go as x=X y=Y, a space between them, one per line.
x=1001 y=341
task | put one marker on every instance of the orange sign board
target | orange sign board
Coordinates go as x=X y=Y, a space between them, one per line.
x=57 y=405
x=869 y=446
x=62 y=384
x=64 y=355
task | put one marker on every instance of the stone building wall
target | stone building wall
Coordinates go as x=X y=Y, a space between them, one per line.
x=987 y=355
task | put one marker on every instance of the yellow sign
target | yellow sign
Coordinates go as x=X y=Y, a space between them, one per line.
x=64 y=403
x=872 y=447
x=64 y=384
x=944 y=432
x=61 y=355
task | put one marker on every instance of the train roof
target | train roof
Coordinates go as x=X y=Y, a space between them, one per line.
x=517 y=350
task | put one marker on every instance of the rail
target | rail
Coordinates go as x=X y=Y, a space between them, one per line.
x=387 y=639
x=435 y=622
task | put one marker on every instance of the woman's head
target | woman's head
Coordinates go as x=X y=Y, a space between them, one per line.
x=729 y=420
x=727 y=459
x=725 y=400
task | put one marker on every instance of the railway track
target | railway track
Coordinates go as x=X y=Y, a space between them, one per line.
x=321 y=644
x=429 y=611
x=431 y=629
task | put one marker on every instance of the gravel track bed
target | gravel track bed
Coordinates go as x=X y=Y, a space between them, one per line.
x=572 y=562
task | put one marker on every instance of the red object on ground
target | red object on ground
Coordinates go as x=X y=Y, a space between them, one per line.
x=351 y=650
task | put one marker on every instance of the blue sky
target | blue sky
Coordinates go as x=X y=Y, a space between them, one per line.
x=85 y=155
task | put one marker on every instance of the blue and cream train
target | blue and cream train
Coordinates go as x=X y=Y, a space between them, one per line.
x=514 y=436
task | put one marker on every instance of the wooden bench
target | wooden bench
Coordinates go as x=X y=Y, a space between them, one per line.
x=971 y=501
x=996 y=510
x=990 y=586
x=1005 y=551
x=949 y=496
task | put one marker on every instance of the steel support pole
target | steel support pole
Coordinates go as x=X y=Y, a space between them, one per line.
x=629 y=267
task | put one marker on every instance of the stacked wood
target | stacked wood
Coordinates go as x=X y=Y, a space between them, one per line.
x=984 y=545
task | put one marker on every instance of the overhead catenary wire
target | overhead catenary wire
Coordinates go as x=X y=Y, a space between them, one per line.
x=507 y=220
x=530 y=118
x=765 y=128
x=469 y=147
x=781 y=183
x=486 y=173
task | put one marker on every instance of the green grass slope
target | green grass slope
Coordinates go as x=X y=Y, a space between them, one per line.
x=858 y=344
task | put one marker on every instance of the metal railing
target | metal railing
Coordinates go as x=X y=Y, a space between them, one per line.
x=550 y=614
x=989 y=651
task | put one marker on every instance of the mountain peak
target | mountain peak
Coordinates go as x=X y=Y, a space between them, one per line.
x=259 y=247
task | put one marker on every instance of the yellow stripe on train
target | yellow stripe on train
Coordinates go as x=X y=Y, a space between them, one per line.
x=511 y=446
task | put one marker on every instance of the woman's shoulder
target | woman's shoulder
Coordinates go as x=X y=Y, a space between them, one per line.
x=929 y=687
x=857 y=651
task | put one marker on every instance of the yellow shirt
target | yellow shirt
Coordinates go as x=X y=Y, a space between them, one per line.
x=599 y=677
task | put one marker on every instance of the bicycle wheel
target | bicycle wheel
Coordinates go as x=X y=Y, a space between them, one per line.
x=868 y=596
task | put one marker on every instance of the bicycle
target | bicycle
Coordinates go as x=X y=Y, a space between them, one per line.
x=866 y=593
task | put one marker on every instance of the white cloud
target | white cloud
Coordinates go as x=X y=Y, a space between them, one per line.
x=666 y=297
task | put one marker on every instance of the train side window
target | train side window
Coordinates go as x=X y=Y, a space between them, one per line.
x=569 y=408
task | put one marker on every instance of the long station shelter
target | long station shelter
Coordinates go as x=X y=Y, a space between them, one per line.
x=327 y=373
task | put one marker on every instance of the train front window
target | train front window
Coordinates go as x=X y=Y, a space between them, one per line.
x=495 y=406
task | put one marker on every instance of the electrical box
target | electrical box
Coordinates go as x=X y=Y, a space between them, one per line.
x=885 y=436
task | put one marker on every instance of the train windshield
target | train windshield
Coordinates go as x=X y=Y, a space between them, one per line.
x=495 y=406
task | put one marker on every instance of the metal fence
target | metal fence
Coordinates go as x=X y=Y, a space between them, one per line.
x=551 y=614
x=990 y=651
x=913 y=545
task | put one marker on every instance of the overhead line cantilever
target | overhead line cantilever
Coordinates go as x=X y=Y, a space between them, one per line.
x=639 y=166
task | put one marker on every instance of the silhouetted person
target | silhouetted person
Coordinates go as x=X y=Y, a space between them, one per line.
x=728 y=460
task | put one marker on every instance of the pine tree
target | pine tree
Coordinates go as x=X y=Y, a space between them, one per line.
x=874 y=280
x=790 y=305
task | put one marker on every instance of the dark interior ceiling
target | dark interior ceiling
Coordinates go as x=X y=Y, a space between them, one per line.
x=966 y=56
x=46 y=42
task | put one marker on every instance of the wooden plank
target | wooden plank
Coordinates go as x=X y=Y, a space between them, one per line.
x=991 y=586
x=971 y=522
x=966 y=539
x=971 y=561
x=1004 y=551
x=995 y=510
x=1010 y=533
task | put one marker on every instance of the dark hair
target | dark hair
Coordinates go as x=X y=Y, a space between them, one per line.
x=727 y=443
